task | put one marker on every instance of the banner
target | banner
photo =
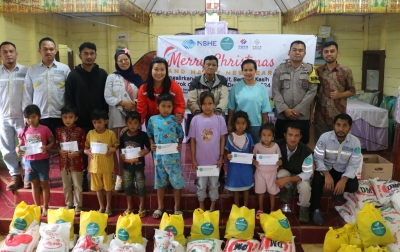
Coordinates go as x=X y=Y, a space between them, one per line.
x=185 y=55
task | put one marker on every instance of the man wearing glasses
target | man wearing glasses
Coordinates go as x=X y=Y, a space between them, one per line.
x=84 y=91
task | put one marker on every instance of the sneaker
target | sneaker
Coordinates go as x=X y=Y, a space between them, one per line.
x=304 y=214
x=27 y=185
x=317 y=217
x=286 y=195
x=15 y=184
x=118 y=184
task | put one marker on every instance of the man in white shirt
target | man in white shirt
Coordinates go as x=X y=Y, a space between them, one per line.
x=12 y=77
x=45 y=85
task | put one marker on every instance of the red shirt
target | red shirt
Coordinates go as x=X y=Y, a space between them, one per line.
x=147 y=108
x=74 y=133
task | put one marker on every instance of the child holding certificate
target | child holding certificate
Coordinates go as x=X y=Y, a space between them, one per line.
x=207 y=139
x=70 y=142
x=166 y=136
x=132 y=152
x=240 y=172
x=101 y=143
x=34 y=143
x=267 y=161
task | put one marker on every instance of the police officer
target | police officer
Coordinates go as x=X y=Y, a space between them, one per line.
x=293 y=90
x=337 y=157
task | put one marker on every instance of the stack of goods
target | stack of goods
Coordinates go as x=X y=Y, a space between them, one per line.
x=375 y=227
x=164 y=242
x=128 y=235
x=204 y=233
x=24 y=229
x=63 y=215
x=240 y=230
x=278 y=234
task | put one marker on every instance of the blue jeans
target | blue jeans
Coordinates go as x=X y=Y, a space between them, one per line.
x=10 y=128
x=254 y=131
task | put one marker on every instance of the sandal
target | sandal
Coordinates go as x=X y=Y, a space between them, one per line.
x=177 y=212
x=158 y=214
x=142 y=213
x=127 y=212
x=109 y=212
x=259 y=212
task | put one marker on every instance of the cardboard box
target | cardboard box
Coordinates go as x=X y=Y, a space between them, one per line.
x=376 y=166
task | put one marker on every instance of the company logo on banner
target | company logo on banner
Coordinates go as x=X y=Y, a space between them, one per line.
x=185 y=55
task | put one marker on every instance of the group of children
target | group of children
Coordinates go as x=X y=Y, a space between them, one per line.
x=209 y=145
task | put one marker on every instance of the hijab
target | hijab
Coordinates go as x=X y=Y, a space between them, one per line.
x=128 y=74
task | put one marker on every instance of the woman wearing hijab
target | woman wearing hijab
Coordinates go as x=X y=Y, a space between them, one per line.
x=120 y=93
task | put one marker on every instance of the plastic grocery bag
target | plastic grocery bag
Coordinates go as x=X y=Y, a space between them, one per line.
x=116 y=245
x=88 y=243
x=93 y=223
x=349 y=248
x=375 y=249
x=129 y=228
x=17 y=240
x=372 y=228
x=205 y=245
x=175 y=224
x=334 y=238
x=269 y=245
x=241 y=223
x=237 y=245
x=54 y=237
x=205 y=225
x=164 y=242
x=62 y=215
x=24 y=215
x=276 y=226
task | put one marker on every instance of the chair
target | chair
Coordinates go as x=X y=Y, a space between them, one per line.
x=389 y=103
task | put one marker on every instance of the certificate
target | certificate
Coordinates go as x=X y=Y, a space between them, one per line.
x=131 y=153
x=69 y=146
x=267 y=159
x=207 y=170
x=98 y=148
x=167 y=148
x=32 y=149
x=242 y=158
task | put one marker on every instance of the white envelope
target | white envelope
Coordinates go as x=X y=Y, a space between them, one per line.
x=32 y=149
x=242 y=158
x=167 y=148
x=207 y=170
x=98 y=148
x=69 y=146
x=131 y=152
x=267 y=159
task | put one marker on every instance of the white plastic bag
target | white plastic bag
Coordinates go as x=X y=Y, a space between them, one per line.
x=204 y=245
x=347 y=212
x=54 y=237
x=365 y=193
x=236 y=245
x=395 y=199
x=385 y=189
x=17 y=241
x=269 y=245
x=164 y=242
x=116 y=245
x=87 y=242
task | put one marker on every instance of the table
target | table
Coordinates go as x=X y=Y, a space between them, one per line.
x=370 y=124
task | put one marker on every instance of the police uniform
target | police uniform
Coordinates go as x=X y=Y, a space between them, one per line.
x=340 y=159
x=294 y=88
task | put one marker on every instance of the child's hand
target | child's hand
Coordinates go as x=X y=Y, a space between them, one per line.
x=255 y=162
x=179 y=148
x=89 y=153
x=144 y=152
x=73 y=154
x=19 y=152
x=110 y=151
x=194 y=165
x=122 y=156
x=220 y=161
x=153 y=147
x=229 y=156
x=123 y=131
x=44 y=149
x=279 y=163
x=63 y=153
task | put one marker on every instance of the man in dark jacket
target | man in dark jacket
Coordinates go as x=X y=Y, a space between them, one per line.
x=84 y=90
x=297 y=163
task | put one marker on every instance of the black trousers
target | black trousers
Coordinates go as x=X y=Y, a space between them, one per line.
x=304 y=128
x=318 y=182
x=52 y=124
x=85 y=182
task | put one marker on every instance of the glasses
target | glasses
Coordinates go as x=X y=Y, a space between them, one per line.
x=123 y=60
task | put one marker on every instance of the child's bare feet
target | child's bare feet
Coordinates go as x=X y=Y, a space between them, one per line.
x=201 y=205
x=44 y=211
x=212 y=207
